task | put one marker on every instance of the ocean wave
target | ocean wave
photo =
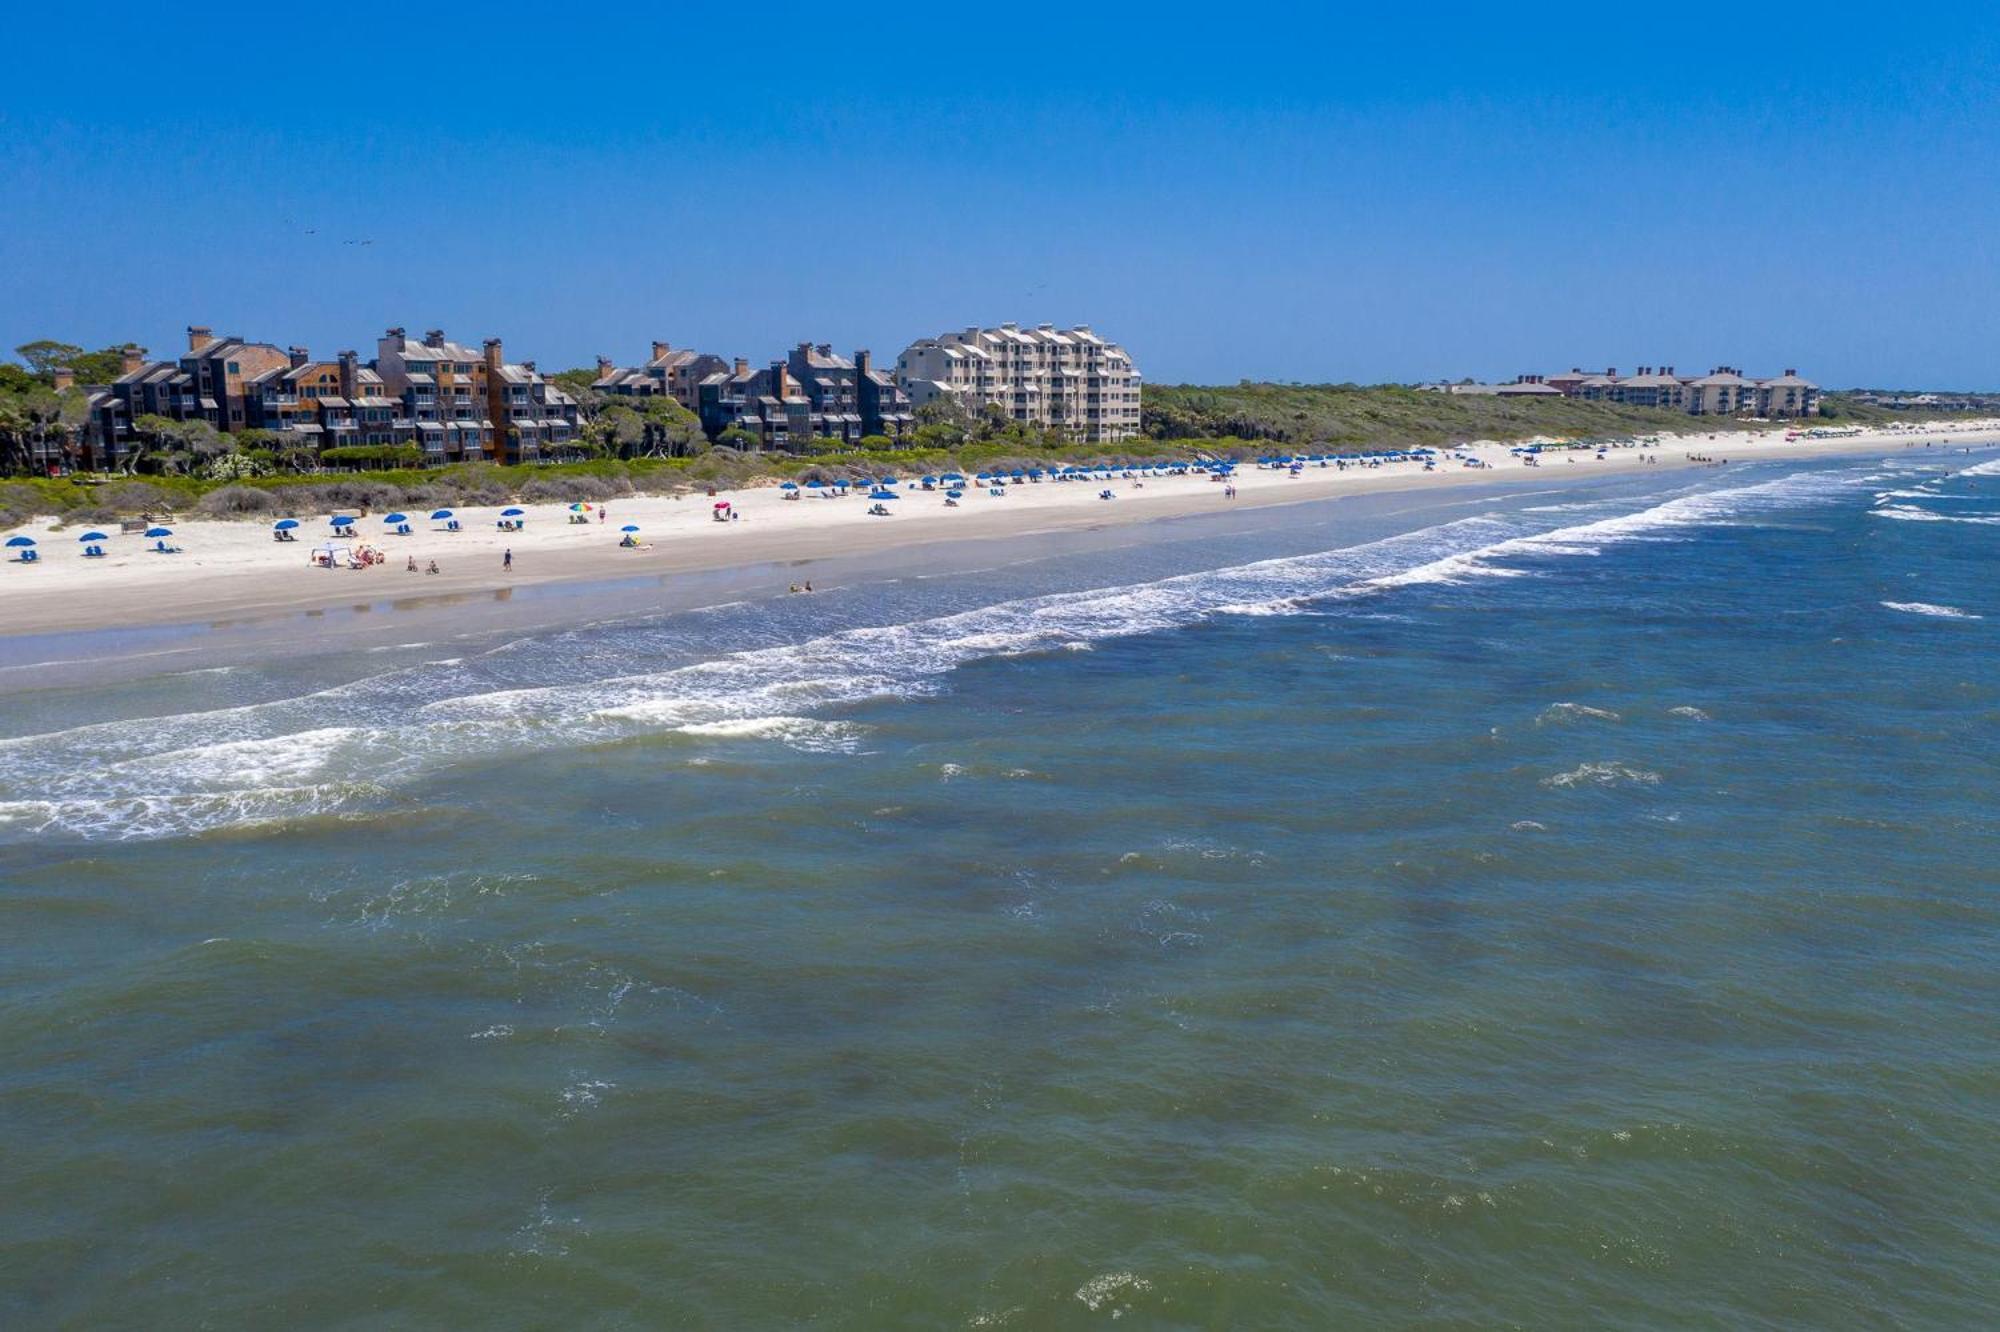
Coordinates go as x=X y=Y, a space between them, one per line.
x=343 y=747
x=803 y=733
x=1926 y=608
x=1603 y=774
x=1911 y=514
x=1568 y=714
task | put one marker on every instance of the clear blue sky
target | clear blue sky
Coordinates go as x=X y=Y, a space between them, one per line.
x=1234 y=191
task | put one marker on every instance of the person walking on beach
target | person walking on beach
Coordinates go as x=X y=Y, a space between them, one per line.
x=507 y=560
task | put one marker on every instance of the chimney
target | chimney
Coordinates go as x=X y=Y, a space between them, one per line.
x=66 y=378
x=863 y=363
x=493 y=358
x=131 y=357
x=742 y=367
x=529 y=366
x=1789 y=372
x=604 y=366
x=1611 y=372
x=350 y=378
x=781 y=381
x=197 y=335
x=826 y=349
x=661 y=349
x=433 y=337
x=298 y=356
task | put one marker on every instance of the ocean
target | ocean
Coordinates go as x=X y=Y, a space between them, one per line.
x=1566 y=903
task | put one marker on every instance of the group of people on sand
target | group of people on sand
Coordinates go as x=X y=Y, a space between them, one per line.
x=411 y=567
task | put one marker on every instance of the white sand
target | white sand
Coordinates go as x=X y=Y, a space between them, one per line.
x=232 y=568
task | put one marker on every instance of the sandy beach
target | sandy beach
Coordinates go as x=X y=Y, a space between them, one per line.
x=236 y=568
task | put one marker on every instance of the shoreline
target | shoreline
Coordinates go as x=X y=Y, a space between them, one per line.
x=233 y=574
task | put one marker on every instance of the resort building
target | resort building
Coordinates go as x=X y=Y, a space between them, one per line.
x=326 y=404
x=1723 y=391
x=1073 y=380
x=812 y=394
x=205 y=384
x=673 y=372
x=465 y=405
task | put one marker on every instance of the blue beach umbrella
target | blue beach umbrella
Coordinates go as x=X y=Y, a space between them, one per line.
x=20 y=541
x=441 y=514
x=341 y=520
x=629 y=527
x=512 y=513
x=159 y=531
x=879 y=494
x=396 y=518
x=93 y=536
x=814 y=485
x=954 y=494
x=788 y=485
x=285 y=524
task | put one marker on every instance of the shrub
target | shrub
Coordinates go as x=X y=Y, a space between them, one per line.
x=134 y=497
x=236 y=502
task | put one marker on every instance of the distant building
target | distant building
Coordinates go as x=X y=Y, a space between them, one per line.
x=1723 y=391
x=1072 y=381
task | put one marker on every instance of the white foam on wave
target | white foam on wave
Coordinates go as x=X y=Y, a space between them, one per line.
x=1603 y=774
x=332 y=749
x=1911 y=514
x=1568 y=714
x=1926 y=608
x=803 y=733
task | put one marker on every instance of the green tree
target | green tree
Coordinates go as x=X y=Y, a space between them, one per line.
x=99 y=367
x=672 y=431
x=43 y=355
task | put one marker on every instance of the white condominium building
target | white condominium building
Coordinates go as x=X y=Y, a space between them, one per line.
x=1070 y=380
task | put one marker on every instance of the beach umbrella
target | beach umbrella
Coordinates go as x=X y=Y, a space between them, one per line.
x=951 y=476
x=814 y=485
x=341 y=520
x=93 y=536
x=722 y=504
x=788 y=485
x=20 y=541
x=629 y=527
x=439 y=515
x=512 y=513
x=954 y=494
x=159 y=531
x=879 y=493
x=579 y=508
x=396 y=518
x=285 y=524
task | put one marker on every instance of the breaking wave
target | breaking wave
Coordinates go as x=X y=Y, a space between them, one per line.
x=1925 y=608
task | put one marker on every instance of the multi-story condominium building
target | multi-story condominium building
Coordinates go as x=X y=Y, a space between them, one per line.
x=1787 y=395
x=672 y=372
x=465 y=405
x=205 y=384
x=535 y=418
x=812 y=394
x=1073 y=380
x=1651 y=387
x=1724 y=391
x=442 y=387
x=328 y=404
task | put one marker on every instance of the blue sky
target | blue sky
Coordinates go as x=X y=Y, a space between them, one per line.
x=1257 y=191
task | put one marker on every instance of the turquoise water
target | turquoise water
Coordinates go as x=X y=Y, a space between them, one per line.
x=1567 y=906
